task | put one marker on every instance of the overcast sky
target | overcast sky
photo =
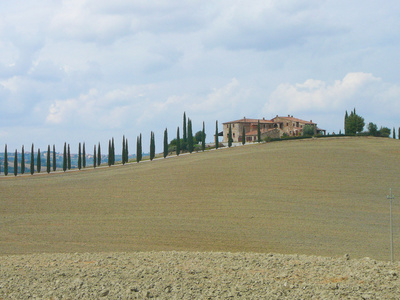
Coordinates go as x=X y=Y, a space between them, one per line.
x=88 y=70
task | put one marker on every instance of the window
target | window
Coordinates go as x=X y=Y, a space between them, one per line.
x=233 y=134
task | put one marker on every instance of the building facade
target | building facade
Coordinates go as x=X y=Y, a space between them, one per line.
x=274 y=128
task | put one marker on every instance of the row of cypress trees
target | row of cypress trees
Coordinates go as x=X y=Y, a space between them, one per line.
x=186 y=145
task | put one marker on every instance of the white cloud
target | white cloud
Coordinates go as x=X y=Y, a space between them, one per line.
x=376 y=100
x=317 y=95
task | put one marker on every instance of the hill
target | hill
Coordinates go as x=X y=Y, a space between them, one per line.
x=322 y=196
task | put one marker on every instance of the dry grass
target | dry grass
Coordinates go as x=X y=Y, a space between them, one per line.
x=323 y=197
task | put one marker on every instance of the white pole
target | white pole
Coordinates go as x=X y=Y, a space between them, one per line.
x=391 y=197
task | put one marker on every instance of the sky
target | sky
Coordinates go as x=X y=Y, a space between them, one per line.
x=89 y=70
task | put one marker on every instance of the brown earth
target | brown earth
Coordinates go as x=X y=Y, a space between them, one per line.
x=317 y=197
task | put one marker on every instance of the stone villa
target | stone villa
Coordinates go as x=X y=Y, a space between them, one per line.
x=273 y=128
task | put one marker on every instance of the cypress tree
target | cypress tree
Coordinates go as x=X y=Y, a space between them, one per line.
x=84 y=155
x=48 y=166
x=113 y=152
x=394 y=133
x=94 y=157
x=65 y=160
x=165 y=143
x=152 y=146
x=15 y=163
x=216 y=135
x=98 y=155
x=230 y=136
x=190 y=136
x=126 y=151
x=137 y=150
x=178 y=142
x=32 y=160
x=79 y=157
x=54 y=158
x=345 y=119
x=5 y=161
x=141 y=147
x=39 y=162
x=109 y=153
x=258 y=132
x=23 y=161
x=184 y=133
x=398 y=134
x=244 y=135
x=69 y=157
x=123 y=150
x=203 y=138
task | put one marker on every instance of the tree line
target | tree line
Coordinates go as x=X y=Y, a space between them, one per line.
x=354 y=125
x=188 y=143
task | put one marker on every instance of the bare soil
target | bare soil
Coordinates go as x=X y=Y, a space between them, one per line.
x=195 y=275
x=317 y=197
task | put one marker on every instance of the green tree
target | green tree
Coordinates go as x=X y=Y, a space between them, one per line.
x=184 y=133
x=5 y=161
x=203 y=138
x=39 y=161
x=48 y=157
x=15 y=163
x=230 y=140
x=65 y=158
x=394 y=133
x=190 y=136
x=216 y=135
x=345 y=120
x=244 y=135
x=126 y=151
x=123 y=150
x=372 y=129
x=94 y=157
x=308 y=130
x=109 y=162
x=258 y=132
x=54 y=158
x=23 y=161
x=398 y=134
x=79 y=157
x=152 y=146
x=32 y=160
x=178 y=142
x=98 y=155
x=137 y=150
x=69 y=157
x=165 y=143
x=384 y=132
x=113 y=152
x=83 y=155
x=354 y=123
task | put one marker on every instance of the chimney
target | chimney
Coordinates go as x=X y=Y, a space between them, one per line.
x=288 y=116
x=292 y=116
x=310 y=121
x=263 y=119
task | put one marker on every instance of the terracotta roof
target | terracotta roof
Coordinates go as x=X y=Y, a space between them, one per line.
x=296 y=120
x=246 y=120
